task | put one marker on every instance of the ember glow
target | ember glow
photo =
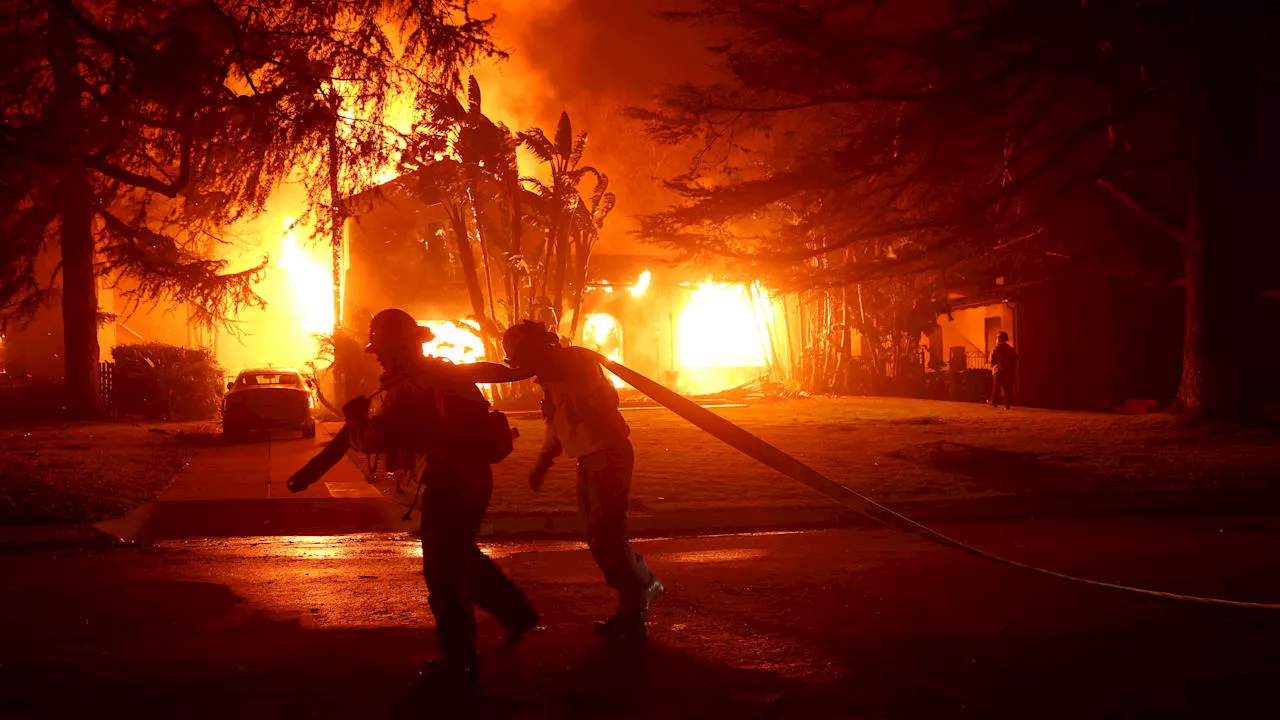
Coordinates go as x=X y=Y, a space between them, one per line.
x=312 y=280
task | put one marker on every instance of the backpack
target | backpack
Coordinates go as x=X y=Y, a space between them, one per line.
x=497 y=438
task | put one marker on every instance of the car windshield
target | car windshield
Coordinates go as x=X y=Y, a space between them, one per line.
x=269 y=379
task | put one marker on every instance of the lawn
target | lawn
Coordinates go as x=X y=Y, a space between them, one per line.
x=893 y=450
x=85 y=472
x=897 y=450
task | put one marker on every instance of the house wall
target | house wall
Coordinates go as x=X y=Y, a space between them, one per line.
x=967 y=328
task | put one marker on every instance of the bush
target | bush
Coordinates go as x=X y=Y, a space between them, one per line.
x=166 y=382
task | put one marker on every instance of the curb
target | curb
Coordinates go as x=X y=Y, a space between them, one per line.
x=566 y=525
x=28 y=537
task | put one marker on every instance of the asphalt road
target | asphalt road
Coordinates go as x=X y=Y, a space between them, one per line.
x=838 y=623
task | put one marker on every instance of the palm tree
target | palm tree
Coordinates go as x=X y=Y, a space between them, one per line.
x=561 y=200
x=462 y=155
x=587 y=220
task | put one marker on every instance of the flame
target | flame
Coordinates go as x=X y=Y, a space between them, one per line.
x=312 y=281
x=642 y=284
x=601 y=333
x=723 y=326
x=453 y=343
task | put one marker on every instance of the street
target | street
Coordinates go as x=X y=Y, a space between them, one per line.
x=837 y=623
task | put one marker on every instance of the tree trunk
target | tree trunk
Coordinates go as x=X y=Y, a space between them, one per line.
x=1226 y=257
x=562 y=265
x=462 y=240
x=517 y=232
x=582 y=258
x=79 y=296
x=75 y=200
x=337 y=213
x=484 y=248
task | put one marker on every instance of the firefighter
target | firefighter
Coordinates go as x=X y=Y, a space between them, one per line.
x=1004 y=370
x=580 y=406
x=433 y=408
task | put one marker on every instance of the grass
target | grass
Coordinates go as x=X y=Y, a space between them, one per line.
x=86 y=472
x=896 y=450
x=893 y=450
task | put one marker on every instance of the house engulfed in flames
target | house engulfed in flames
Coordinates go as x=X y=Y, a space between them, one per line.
x=697 y=333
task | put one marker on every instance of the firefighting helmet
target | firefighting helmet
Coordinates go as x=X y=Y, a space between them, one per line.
x=519 y=340
x=394 y=328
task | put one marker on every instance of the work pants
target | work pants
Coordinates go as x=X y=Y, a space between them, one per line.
x=1002 y=383
x=458 y=575
x=604 y=490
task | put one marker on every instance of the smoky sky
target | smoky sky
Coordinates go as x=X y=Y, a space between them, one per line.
x=594 y=58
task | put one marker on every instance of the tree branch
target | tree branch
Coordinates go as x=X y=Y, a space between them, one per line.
x=1164 y=226
x=147 y=182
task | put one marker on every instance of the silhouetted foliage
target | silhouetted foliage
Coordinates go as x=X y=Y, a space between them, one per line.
x=155 y=381
x=868 y=139
x=133 y=131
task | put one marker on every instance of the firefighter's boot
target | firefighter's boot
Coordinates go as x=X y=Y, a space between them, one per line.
x=632 y=619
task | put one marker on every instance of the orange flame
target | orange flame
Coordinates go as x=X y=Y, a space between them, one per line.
x=602 y=334
x=453 y=343
x=312 y=281
x=725 y=326
x=642 y=284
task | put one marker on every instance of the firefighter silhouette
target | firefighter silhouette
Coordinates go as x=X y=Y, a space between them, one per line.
x=433 y=409
x=581 y=410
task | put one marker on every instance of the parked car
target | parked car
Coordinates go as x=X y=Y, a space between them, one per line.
x=266 y=399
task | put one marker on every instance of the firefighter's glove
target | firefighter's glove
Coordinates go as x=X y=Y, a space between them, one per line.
x=539 y=473
x=356 y=409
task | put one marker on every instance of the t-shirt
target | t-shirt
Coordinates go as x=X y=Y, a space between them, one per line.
x=580 y=404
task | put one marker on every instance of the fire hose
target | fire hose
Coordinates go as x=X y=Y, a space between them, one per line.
x=766 y=454
x=333 y=453
x=770 y=456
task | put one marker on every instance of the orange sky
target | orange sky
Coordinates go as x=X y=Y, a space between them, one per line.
x=594 y=58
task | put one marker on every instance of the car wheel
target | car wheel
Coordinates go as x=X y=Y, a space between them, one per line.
x=310 y=430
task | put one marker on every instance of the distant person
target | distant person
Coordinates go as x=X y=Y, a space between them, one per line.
x=581 y=410
x=1004 y=370
x=432 y=408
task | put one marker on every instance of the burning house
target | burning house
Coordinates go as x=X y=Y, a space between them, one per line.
x=673 y=322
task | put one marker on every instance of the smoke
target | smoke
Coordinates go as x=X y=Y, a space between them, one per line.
x=593 y=59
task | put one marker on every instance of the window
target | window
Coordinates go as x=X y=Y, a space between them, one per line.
x=269 y=379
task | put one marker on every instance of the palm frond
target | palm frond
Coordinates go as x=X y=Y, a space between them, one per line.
x=473 y=97
x=564 y=136
x=538 y=144
x=604 y=208
x=579 y=149
x=602 y=186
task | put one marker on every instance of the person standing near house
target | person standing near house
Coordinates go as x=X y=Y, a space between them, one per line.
x=433 y=409
x=580 y=406
x=1004 y=370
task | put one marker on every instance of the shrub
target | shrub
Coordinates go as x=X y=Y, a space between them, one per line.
x=166 y=382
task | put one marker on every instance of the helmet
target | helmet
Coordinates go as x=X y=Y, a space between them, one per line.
x=394 y=328
x=1002 y=337
x=520 y=340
